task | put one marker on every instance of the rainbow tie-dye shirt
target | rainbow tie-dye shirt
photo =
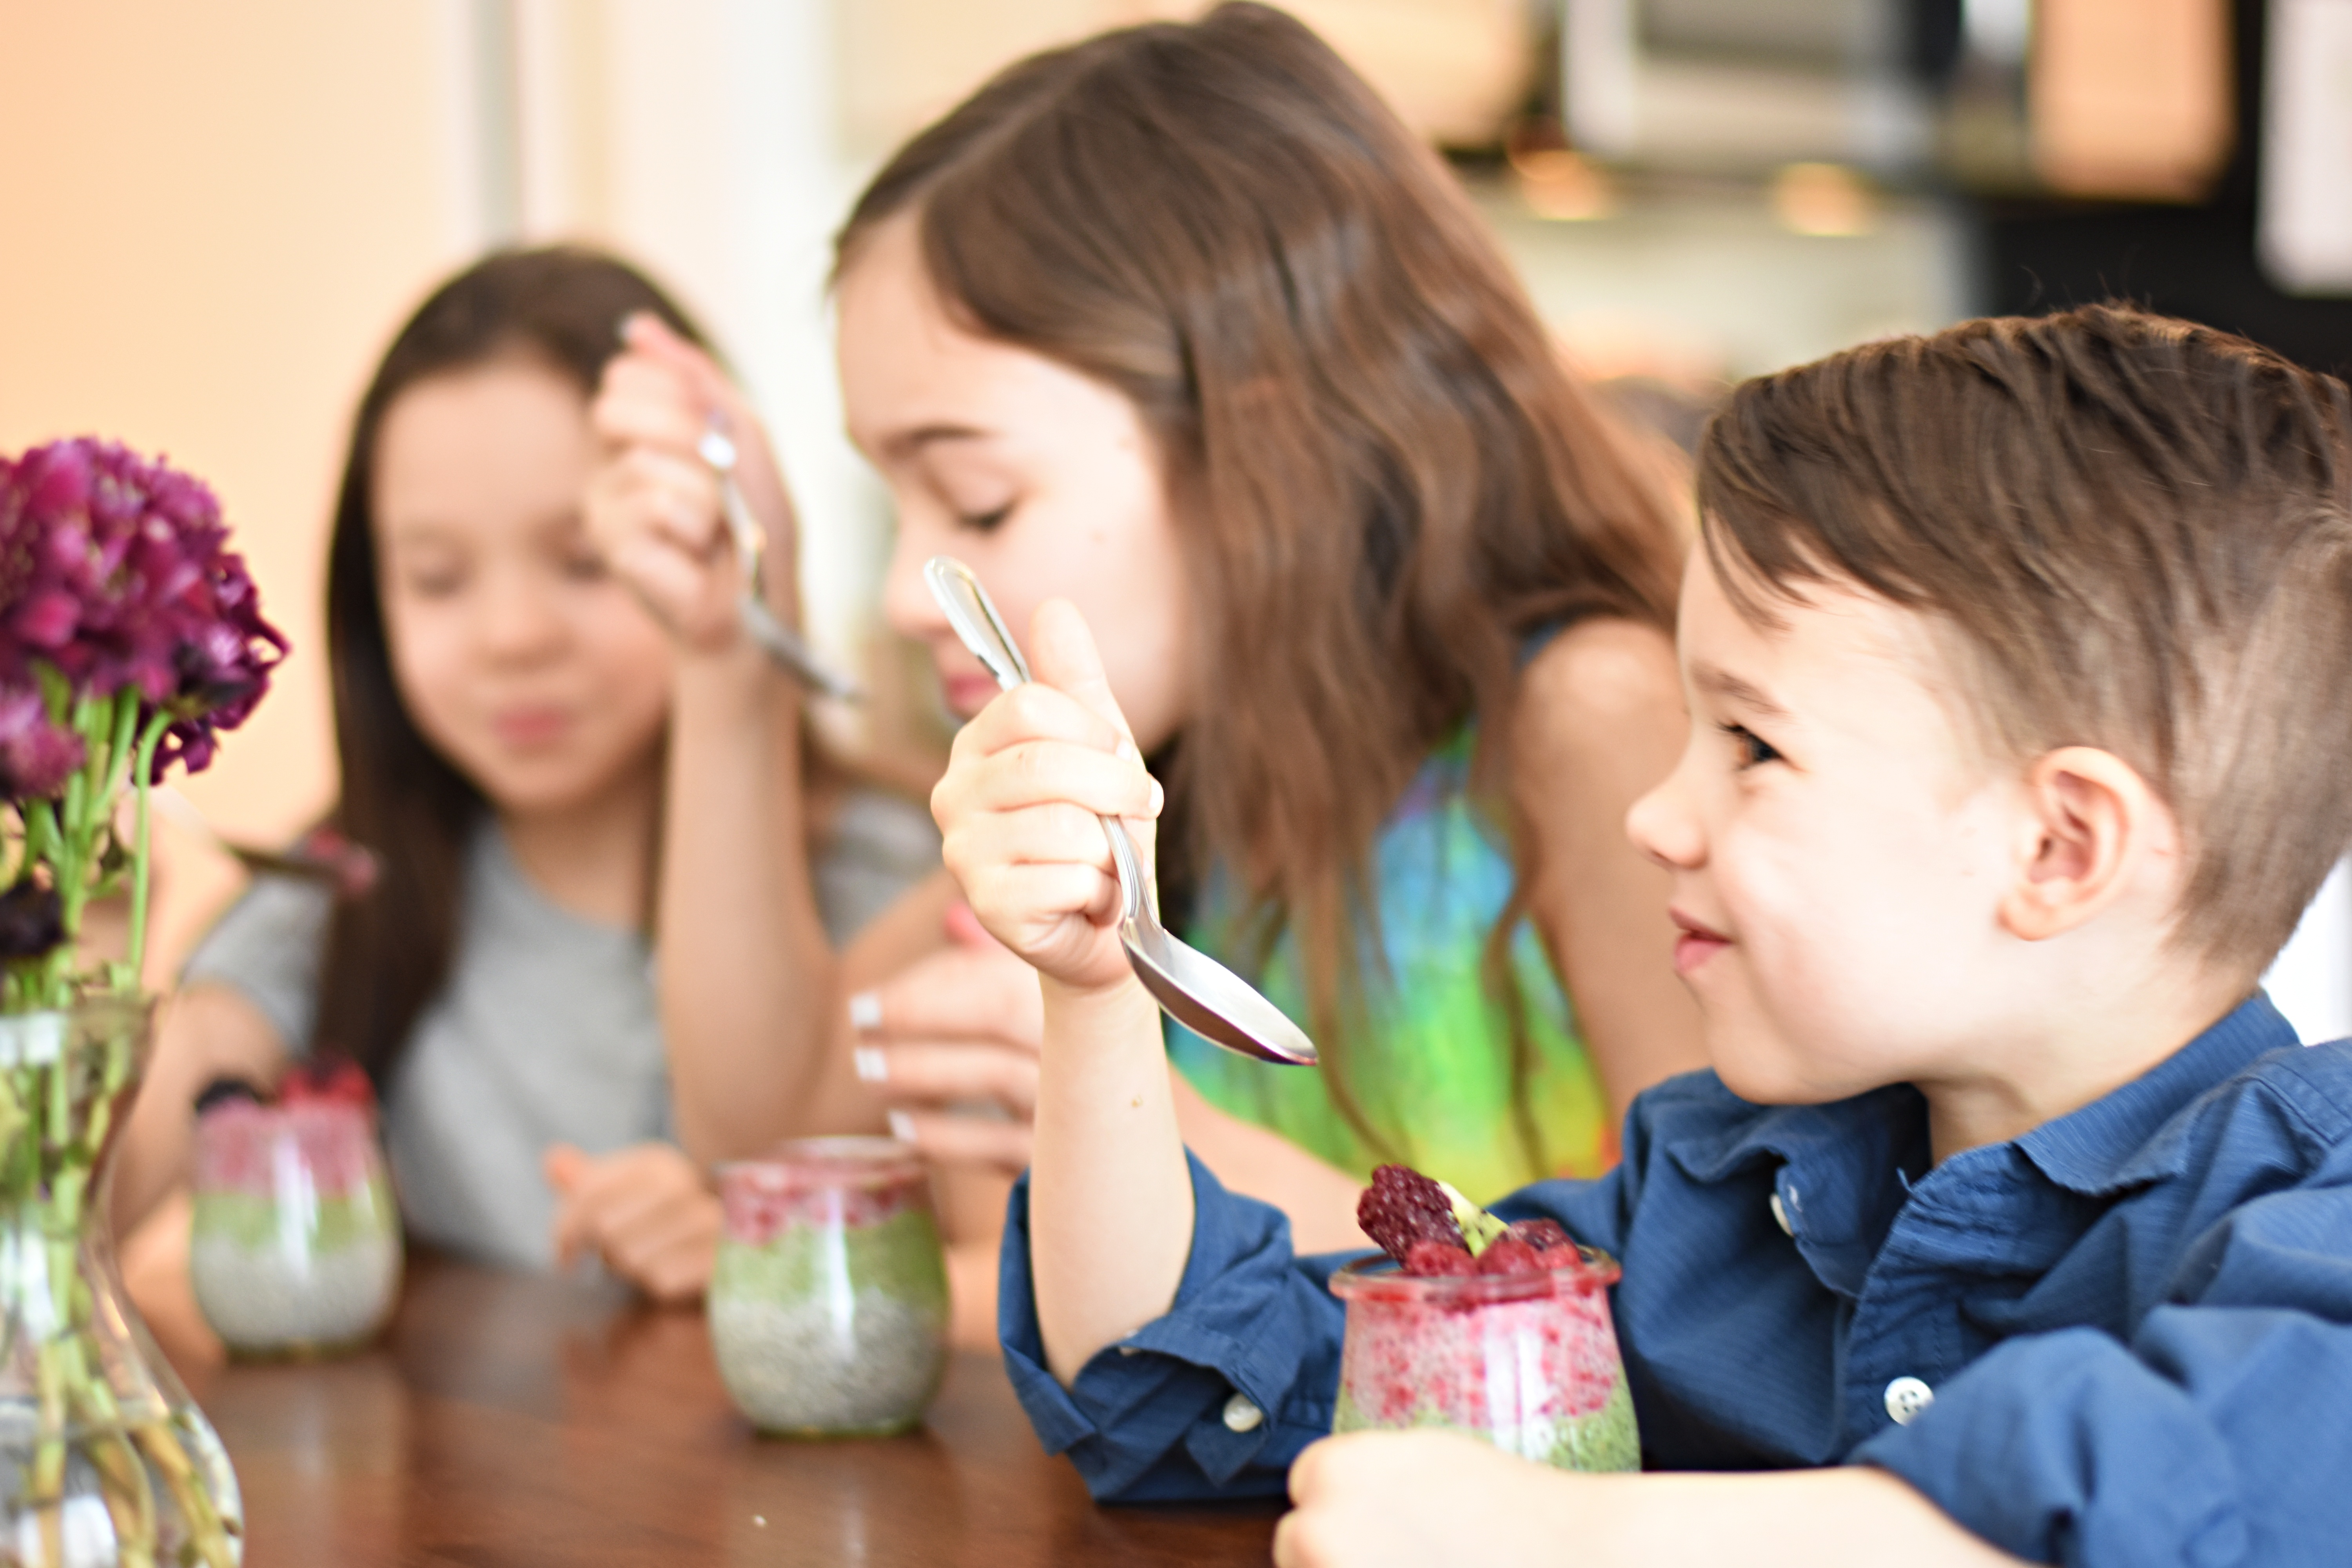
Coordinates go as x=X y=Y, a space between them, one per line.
x=1430 y=1066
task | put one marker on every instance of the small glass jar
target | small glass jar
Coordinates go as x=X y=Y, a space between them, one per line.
x=829 y=1301
x=1526 y=1361
x=296 y=1248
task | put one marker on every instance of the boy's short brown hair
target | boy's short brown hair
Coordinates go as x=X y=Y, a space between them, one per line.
x=2139 y=530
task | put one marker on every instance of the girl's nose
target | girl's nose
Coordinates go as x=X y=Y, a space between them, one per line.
x=1662 y=826
x=518 y=618
x=907 y=602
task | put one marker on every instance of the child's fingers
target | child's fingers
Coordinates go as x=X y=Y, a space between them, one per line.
x=1024 y=901
x=942 y=1072
x=668 y=1252
x=573 y=1230
x=961 y=993
x=646 y=333
x=675 y=498
x=563 y=1165
x=642 y=402
x=638 y=1227
x=946 y=1139
x=1034 y=712
x=680 y=1272
x=1035 y=773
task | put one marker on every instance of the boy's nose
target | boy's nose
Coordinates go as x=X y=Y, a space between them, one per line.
x=1661 y=826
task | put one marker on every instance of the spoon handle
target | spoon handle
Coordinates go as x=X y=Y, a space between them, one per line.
x=779 y=641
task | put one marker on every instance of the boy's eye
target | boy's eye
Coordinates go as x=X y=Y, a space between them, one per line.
x=1752 y=748
x=985 y=522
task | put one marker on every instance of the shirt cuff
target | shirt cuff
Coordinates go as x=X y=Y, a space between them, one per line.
x=1213 y=1399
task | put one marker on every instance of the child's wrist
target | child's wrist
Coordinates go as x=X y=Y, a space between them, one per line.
x=731 y=680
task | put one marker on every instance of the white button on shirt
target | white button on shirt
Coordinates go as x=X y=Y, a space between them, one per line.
x=1906 y=1397
x=1241 y=1416
x=1781 y=1217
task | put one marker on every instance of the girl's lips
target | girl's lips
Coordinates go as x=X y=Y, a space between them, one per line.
x=528 y=727
x=1695 y=944
x=967 y=694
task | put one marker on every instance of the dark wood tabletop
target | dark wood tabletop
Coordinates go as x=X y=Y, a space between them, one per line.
x=517 y=1419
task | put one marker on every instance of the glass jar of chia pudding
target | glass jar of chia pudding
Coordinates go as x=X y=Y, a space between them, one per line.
x=296 y=1247
x=1527 y=1361
x=829 y=1301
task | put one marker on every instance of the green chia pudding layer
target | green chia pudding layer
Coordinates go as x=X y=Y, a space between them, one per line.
x=1604 y=1439
x=832 y=1329
x=275 y=1277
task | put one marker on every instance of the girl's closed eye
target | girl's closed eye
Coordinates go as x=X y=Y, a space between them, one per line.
x=582 y=564
x=983 y=521
x=433 y=579
x=1753 y=749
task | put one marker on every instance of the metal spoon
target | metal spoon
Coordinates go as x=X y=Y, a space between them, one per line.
x=779 y=641
x=1196 y=990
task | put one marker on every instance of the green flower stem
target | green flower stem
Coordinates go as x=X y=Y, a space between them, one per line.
x=144 y=772
x=48 y=1185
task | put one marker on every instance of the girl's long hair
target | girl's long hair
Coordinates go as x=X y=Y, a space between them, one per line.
x=1385 y=481
x=389 y=952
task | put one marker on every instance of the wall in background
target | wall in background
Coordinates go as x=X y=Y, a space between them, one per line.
x=216 y=215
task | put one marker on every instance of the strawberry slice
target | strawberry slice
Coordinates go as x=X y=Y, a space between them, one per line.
x=327 y=1080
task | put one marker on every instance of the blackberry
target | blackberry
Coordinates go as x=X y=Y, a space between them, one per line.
x=1403 y=1206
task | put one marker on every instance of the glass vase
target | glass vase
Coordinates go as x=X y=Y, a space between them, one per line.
x=828 y=1304
x=1526 y=1361
x=104 y=1459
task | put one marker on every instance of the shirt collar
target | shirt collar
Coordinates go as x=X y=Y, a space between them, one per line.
x=1870 y=1132
x=2115 y=1142
x=2105 y=1146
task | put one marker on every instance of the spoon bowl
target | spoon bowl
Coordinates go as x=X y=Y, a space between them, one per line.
x=1191 y=987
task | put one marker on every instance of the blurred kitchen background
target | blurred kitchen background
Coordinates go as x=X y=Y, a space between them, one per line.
x=214 y=216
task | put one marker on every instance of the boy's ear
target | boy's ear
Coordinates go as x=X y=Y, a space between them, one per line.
x=2092 y=824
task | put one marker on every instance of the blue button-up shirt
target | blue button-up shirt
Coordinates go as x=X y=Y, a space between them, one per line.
x=2136 y=1321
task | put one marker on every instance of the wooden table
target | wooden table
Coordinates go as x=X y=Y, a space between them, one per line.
x=515 y=1419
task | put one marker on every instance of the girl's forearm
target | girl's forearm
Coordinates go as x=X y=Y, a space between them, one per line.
x=746 y=975
x=1110 y=1198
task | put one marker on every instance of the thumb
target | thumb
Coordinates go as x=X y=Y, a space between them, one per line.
x=963 y=928
x=1062 y=654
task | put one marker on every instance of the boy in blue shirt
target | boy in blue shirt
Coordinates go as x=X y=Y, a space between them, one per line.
x=2012 y=1222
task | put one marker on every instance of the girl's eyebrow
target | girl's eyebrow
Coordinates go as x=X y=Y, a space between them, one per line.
x=1733 y=688
x=907 y=443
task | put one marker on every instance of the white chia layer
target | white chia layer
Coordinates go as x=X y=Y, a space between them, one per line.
x=258 y=1298
x=805 y=1365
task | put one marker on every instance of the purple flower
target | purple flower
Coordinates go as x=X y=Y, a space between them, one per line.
x=36 y=757
x=32 y=920
x=113 y=572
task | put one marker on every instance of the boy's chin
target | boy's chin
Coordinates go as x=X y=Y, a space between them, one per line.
x=1764 y=1072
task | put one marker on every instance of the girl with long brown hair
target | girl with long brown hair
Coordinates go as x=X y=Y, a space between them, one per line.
x=1181 y=325
x=547 y=780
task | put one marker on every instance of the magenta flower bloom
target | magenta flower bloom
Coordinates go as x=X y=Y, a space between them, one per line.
x=113 y=572
x=36 y=757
